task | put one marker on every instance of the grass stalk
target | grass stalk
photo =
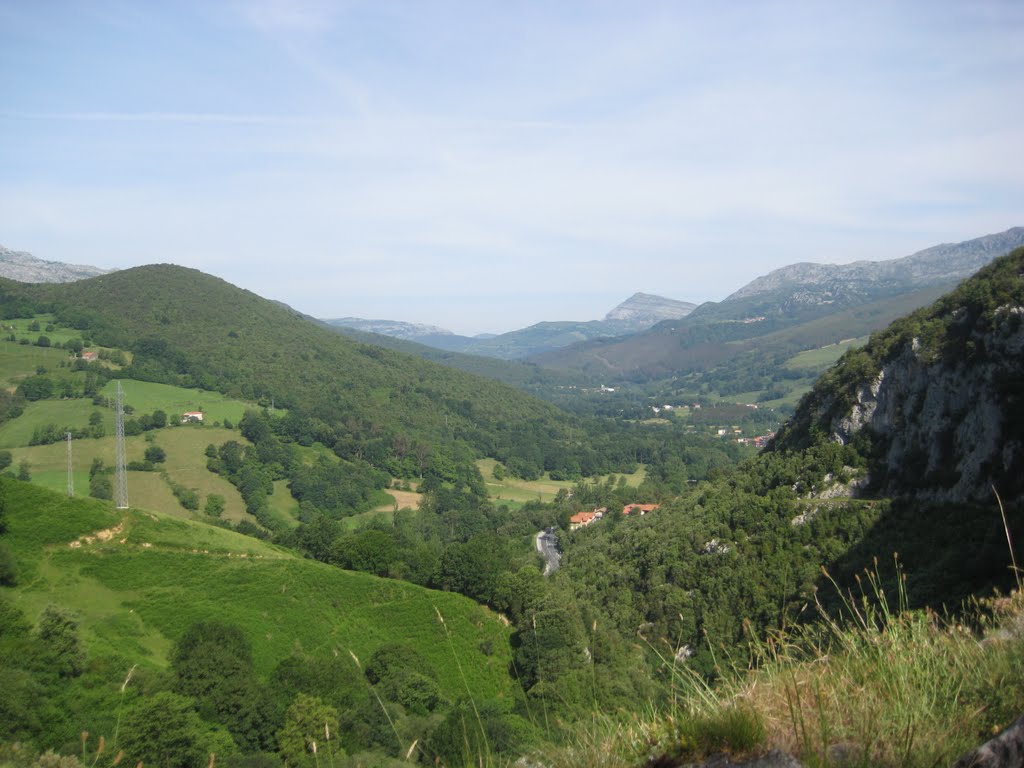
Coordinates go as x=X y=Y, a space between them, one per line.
x=465 y=682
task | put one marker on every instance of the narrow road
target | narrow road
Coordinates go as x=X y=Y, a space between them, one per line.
x=547 y=545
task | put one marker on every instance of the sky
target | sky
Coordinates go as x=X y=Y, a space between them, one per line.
x=483 y=165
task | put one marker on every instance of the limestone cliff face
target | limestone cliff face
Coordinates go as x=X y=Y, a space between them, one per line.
x=26 y=268
x=938 y=399
x=943 y=425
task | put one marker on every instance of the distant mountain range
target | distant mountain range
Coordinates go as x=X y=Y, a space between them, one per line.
x=394 y=328
x=26 y=268
x=637 y=313
x=799 y=306
x=809 y=284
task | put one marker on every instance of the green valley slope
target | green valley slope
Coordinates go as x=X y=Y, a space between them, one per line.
x=137 y=580
x=186 y=328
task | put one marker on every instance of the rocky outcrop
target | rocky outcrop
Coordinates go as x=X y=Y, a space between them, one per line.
x=936 y=401
x=26 y=268
x=1004 y=751
x=643 y=310
x=394 y=328
x=944 y=423
x=837 y=282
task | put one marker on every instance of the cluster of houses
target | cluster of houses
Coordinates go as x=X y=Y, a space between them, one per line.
x=581 y=519
x=758 y=442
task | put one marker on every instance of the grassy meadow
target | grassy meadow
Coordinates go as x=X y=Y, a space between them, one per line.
x=185 y=465
x=137 y=579
x=821 y=358
x=18 y=361
x=146 y=397
x=65 y=414
x=516 y=492
x=57 y=336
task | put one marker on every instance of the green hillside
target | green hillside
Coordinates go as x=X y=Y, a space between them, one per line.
x=185 y=328
x=136 y=581
x=525 y=376
x=704 y=341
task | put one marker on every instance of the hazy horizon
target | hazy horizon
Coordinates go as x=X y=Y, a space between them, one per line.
x=483 y=167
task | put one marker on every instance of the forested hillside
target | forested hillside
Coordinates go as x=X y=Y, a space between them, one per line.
x=936 y=401
x=897 y=450
x=183 y=327
x=823 y=302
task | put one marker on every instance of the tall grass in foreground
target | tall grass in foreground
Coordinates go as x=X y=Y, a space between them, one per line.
x=884 y=686
x=887 y=686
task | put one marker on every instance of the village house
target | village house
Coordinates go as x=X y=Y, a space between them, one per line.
x=89 y=356
x=641 y=509
x=192 y=417
x=581 y=519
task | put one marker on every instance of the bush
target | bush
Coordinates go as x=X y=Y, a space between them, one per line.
x=155 y=454
x=214 y=505
x=8 y=568
x=100 y=487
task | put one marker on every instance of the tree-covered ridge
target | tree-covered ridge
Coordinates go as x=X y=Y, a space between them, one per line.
x=947 y=377
x=728 y=559
x=187 y=328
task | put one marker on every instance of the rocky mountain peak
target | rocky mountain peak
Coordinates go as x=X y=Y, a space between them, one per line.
x=642 y=310
x=26 y=268
x=939 y=264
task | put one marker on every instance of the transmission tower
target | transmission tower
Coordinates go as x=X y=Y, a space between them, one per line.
x=71 y=474
x=121 y=472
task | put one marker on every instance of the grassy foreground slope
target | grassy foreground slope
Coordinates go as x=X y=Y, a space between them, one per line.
x=137 y=580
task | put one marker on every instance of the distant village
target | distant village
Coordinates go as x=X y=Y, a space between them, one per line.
x=581 y=519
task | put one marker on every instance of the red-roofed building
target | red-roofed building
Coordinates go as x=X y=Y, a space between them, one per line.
x=641 y=509
x=581 y=519
x=191 y=416
x=89 y=356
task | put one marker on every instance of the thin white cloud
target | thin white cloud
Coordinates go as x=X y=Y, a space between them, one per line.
x=312 y=151
x=155 y=117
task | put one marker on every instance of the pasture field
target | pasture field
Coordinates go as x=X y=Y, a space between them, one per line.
x=59 y=335
x=146 y=397
x=18 y=361
x=283 y=506
x=141 y=583
x=516 y=492
x=823 y=357
x=66 y=414
x=185 y=465
x=402 y=499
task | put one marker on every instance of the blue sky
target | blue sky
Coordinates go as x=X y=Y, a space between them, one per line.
x=486 y=165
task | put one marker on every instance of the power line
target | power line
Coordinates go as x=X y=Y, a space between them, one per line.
x=121 y=471
x=71 y=473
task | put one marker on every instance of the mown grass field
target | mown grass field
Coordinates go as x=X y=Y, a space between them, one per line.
x=57 y=336
x=65 y=414
x=146 y=397
x=185 y=465
x=283 y=506
x=821 y=358
x=137 y=588
x=515 y=492
x=17 y=361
